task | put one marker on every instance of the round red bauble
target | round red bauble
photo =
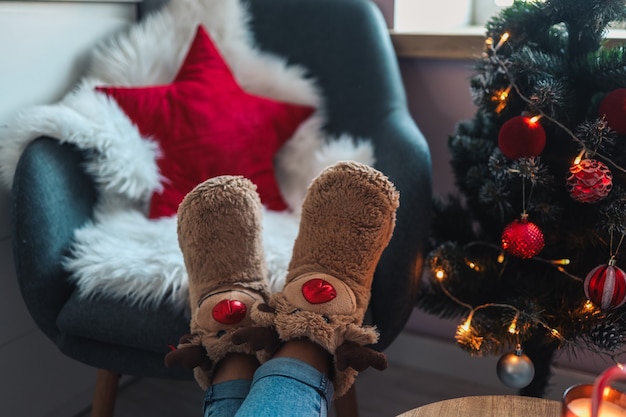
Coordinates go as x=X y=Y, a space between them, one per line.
x=521 y=137
x=605 y=286
x=613 y=109
x=523 y=239
x=589 y=181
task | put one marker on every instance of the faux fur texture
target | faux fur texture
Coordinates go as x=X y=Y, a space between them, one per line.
x=219 y=233
x=348 y=218
x=121 y=253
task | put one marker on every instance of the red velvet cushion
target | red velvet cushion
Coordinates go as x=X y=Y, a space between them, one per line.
x=207 y=125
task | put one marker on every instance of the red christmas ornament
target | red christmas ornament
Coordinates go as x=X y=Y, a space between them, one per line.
x=605 y=286
x=521 y=137
x=522 y=238
x=613 y=109
x=229 y=311
x=589 y=181
x=318 y=291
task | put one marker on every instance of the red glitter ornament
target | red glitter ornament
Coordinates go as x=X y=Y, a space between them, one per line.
x=589 y=181
x=605 y=286
x=521 y=137
x=522 y=238
x=613 y=109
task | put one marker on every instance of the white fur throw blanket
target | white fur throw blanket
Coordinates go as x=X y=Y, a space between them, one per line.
x=122 y=253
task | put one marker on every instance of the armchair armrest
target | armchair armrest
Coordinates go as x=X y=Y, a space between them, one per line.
x=51 y=197
x=403 y=155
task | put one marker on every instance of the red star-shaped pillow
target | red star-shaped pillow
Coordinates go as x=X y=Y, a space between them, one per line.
x=207 y=125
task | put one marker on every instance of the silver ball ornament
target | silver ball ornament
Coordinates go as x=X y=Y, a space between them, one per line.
x=515 y=369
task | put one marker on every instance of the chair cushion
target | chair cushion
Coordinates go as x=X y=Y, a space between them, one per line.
x=115 y=322
x=207 y=125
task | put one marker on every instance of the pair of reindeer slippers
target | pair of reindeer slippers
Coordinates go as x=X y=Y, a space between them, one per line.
x=348 y=217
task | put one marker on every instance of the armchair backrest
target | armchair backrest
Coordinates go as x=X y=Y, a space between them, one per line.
x=345 y=45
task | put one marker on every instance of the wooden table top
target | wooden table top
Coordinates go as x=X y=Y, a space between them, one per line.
x=489 y=406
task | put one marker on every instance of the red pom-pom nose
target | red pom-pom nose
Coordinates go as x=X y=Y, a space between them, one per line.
x=229 y=311
x=318 y=291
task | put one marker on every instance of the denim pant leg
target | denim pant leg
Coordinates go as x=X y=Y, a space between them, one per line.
x=225 y=398
x=287 y=387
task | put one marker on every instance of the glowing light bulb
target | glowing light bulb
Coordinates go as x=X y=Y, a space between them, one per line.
x=473 y=266
x=466 y=326
x=505 y=37
x=579 y=157
x=513 y=326
x=501 y=96
x=500 y=258
x=440 y=274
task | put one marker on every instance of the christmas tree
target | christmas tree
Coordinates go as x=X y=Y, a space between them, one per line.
x=528 y=256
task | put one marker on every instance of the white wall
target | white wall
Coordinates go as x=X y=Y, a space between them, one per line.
x=43 y=46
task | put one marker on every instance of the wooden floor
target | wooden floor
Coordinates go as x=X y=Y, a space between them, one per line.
x=380 y=394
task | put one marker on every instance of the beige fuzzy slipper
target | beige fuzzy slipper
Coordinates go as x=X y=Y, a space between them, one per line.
x=348 y=217
x=219 y=233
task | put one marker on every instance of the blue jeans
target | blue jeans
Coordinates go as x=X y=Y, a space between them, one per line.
x=281 y=387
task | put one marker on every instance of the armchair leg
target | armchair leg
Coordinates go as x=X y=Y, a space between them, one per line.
x=105 y=393
x=346 y=405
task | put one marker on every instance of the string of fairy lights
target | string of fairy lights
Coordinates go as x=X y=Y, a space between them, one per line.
x=533 y=241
